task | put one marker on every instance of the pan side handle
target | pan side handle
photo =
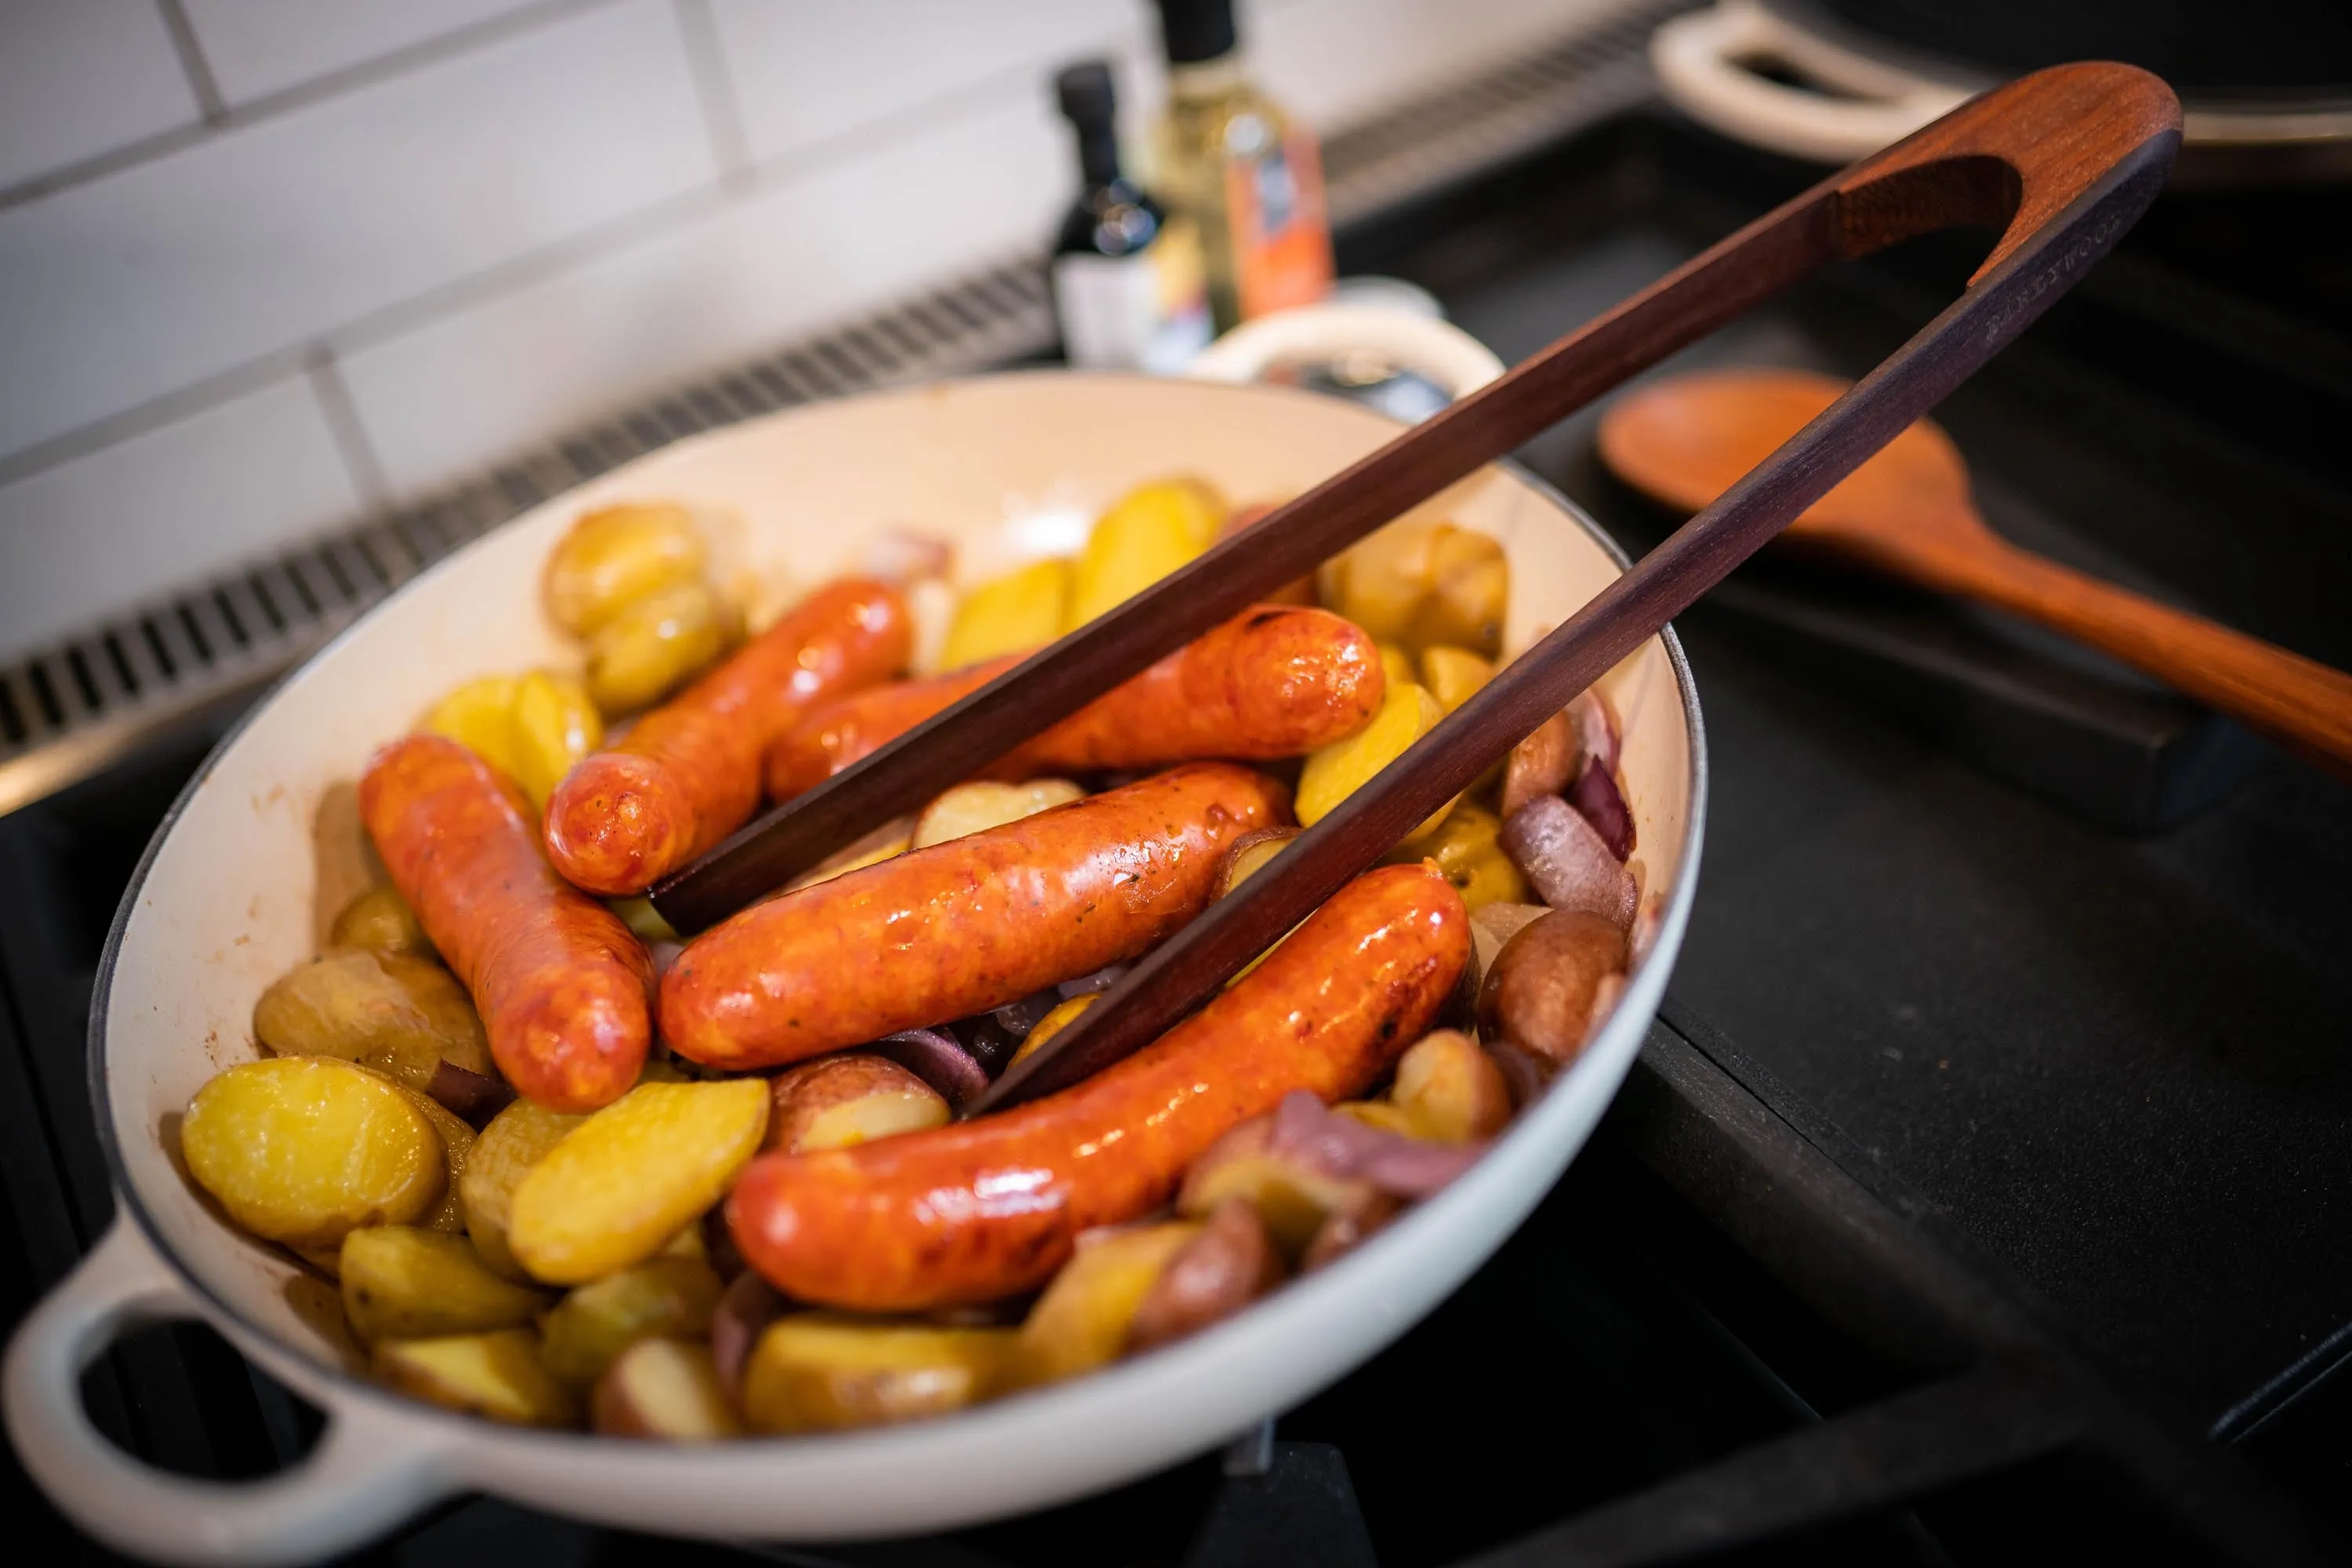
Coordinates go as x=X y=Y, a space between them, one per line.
x=368 y=1472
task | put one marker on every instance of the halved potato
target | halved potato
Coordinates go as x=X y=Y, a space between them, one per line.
x=669 y=1295
x=403 y=1015
x=1021 y=610
x=615 y=555
x=1228 y=1265
x=827 y=1372
x=1339 y=770
x=1064 y=1015
x=496 y=1376
x=380 y=919
x=1081 y=1321
x=516 y=1139
x=661 y=1388
x=1292 y=1198
x=1249 y=855
x=976 y=807
x=840 y=1102
x=457 y=1141
x=403 y=1283
x=305 y=1150
x=1420 y=583
x=1147 y=534
x=1450 y=1091
x=1453 y=675
x=632 y=1175
x=1467 y=848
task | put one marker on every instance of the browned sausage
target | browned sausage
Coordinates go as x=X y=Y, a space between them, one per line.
x=984 y=1209
x=688 y=774
x=563 y=987
x=1276 y=680
x=965 y=926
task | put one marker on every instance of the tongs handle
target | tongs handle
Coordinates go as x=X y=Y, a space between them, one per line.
x=2066 y=159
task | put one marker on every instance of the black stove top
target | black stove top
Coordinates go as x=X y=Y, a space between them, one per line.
x=1983 y=1186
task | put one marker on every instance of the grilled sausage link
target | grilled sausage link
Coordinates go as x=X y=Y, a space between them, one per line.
x=963 y=926
x=688 y=774
x=564 y=990
x=1276 y=680
x=983 y=1209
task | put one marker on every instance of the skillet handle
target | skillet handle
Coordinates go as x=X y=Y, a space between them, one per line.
x=367 y=1473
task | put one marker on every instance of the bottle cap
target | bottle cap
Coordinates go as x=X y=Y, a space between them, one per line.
x=1196 y=30
x=1084 y=93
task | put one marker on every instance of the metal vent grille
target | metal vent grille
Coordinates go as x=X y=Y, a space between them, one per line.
x=68 y=711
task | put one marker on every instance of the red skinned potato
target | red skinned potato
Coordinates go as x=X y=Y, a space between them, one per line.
x=962 y=927
x=1568 y=862
x=1231 y=1263
x=987 y=1208
x=688 y=774
x=663 y=1388
x=837 y=1102
x=1542 y=990
x=560 y=983
x=1452 y=1091
x=1345 y=1229
x=1542 y=765
x=749 y=1306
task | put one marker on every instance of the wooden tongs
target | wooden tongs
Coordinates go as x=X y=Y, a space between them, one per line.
x=2061 y=162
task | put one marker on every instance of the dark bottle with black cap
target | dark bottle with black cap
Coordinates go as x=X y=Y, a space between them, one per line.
x=1247 y=175
x=1127 y=282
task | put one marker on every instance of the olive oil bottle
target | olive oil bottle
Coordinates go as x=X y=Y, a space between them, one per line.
x=1246 y=175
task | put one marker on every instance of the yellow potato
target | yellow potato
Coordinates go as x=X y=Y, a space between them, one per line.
x=825 y=1371
x=1339 y=770
x=632 y=1175
x=656 y=644
x=480 y=716
x=1379 y=1116
x=667 y=1389
x=668 y=1295
x=516 y=1139
x=617 y=555
x=976 y=807
x=1064 y=1014
x=400 y=1283
x=1147 y=534
x=643 y=921
x=1421 y=583
x=1021 y=610
x=884 y=843
x=1450 y=1090
x=1396 y=665
x=556 y=724
x=496 y=1376
x=1453 y=674
x=457 y=1141
x=403 y=1015
x=1081 y=1321
x=1468 y=848
x=1292 y=1197
x=380 y=919
x=305 y=1150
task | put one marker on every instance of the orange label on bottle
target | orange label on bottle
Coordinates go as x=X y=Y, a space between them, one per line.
x=1281 y=238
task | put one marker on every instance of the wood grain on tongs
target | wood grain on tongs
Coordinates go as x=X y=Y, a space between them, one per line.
x=2061 y=161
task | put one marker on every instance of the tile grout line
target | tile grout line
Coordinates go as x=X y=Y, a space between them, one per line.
x=714 y=91
x=221 y=119
x=192 y=64
x=349 y=431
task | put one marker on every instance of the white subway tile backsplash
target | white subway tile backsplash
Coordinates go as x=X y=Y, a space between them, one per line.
x=78 y=78
x=150 y=514
x=246 y=243
x=793 y=257
x=806 y=71
x=261 y=47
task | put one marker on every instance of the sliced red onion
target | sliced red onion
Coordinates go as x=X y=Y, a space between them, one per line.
x=1568 y=862
x=1596 y=796
x=1102 y=979
x=936 y=1057
x=470 y=1096
x=1597 y=729
x=1311 y=1133
x=747 y=1307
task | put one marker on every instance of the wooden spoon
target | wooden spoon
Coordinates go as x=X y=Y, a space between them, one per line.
x=1907 y=511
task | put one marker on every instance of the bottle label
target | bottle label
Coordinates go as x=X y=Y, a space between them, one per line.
x=1282 y=238
x=1148 y=311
